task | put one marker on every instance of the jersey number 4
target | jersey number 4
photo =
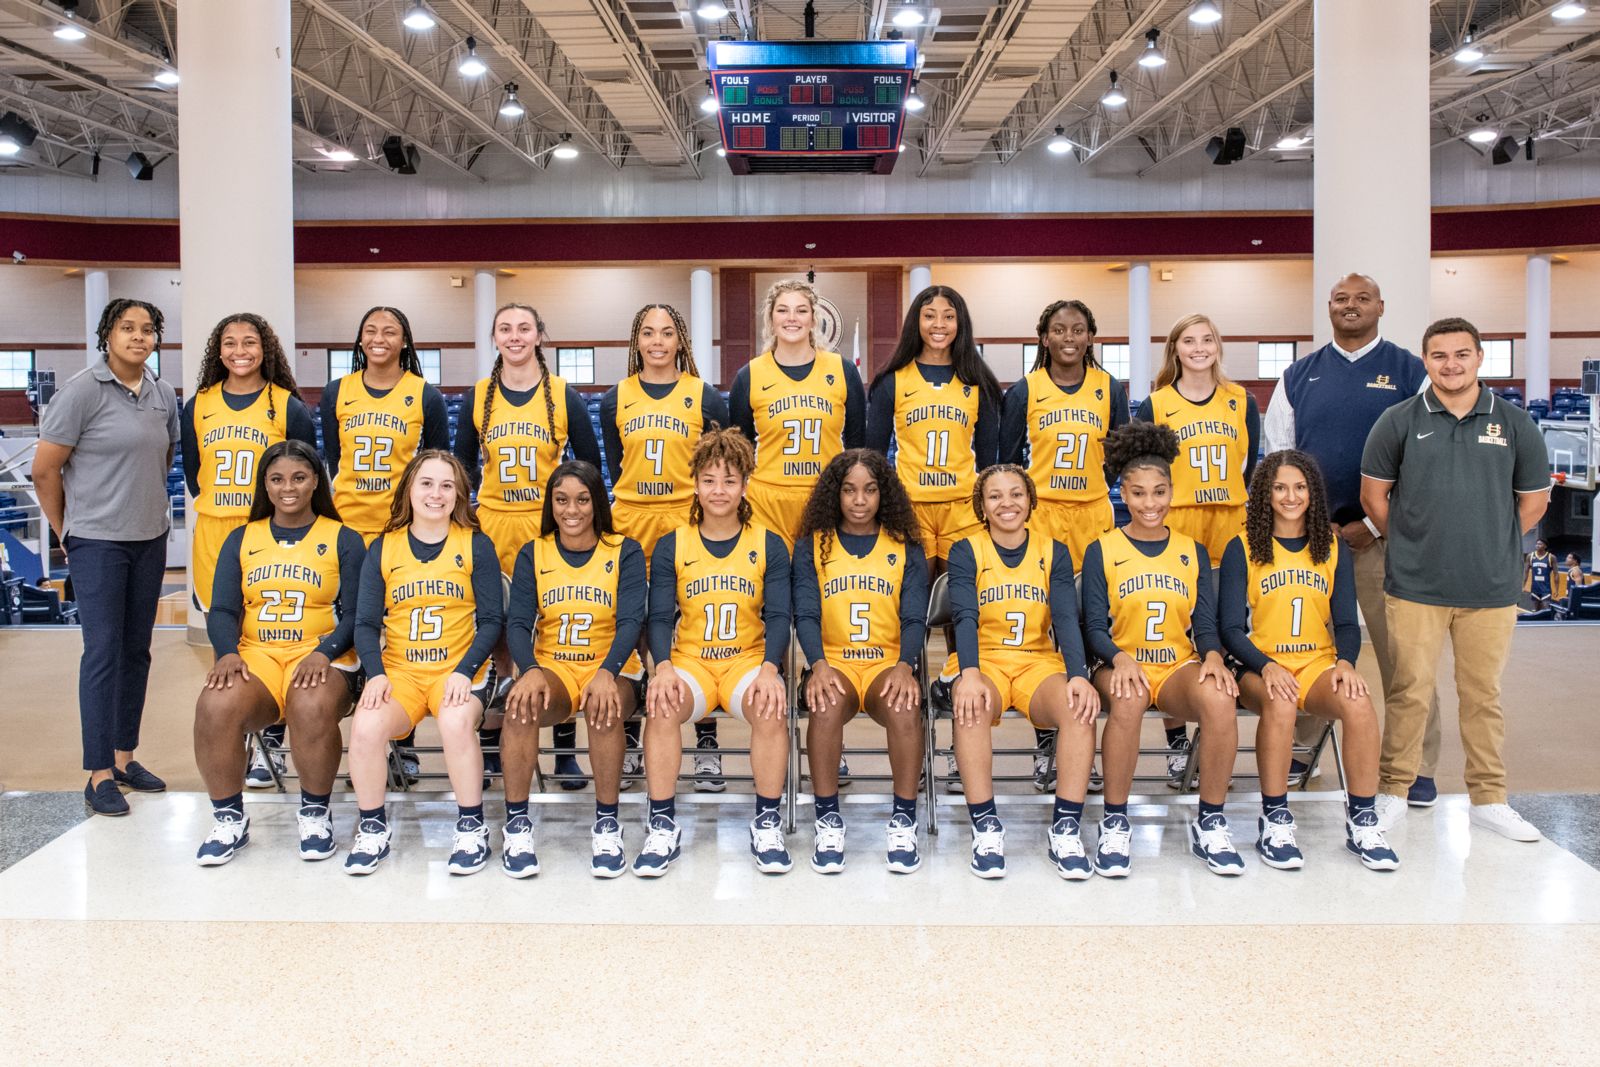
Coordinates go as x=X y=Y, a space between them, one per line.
x=1208 y=458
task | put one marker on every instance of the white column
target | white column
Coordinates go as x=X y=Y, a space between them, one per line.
x=96 y=295
x=1139 y=370
x=702 y=334
x=1371 y=174
x=485 y=301
x=235 y=190
x=1536 y=349
x=921 y=278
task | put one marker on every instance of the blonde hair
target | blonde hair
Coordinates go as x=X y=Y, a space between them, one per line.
x=788 y=285
x=1170 y=371
x=400 y=508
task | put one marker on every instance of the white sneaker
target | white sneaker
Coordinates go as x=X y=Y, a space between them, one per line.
x=316 y=832
x=827 y=854
x=1504 y=820
x=661 y=847
x=259 y=776
x=230 y=831
x=517 y=857
x=632 y=769
x=708 y=767
x=1391 y=811
x=954 y=775
x=605 y=842
x=989 y=849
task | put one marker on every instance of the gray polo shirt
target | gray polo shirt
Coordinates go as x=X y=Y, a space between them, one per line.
x=1454 y=536
x=116 y=478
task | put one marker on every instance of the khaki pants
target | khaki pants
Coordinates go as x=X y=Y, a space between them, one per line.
x=1370 y=595
x=1480 y=639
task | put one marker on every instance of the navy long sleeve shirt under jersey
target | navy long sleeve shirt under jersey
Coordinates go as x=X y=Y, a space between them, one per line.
x=1014 y=420
x=1234 y=605
x=435 y=420
x=225 y=619
x=487 y=598
x=713 y=409
x=580 y=431
x=808 y=594
x=880 y=416
x=963 y=566
x=664 y=594
x=297 y=426
x=1097 y=602
x=630 y=609
x=1252 y=431
x=855 y=403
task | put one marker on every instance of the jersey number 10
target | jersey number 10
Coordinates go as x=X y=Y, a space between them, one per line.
x=722 y=622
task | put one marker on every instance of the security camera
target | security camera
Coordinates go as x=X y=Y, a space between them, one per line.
x=18 y=257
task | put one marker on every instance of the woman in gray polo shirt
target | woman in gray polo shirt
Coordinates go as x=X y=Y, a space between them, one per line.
x=100 y=472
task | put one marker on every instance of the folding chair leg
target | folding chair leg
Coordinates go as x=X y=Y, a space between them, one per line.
x=397 y=771
x=1191 y=770
x=272 y=768
x=930 y=787
x=791 y=789
x=1338 y=757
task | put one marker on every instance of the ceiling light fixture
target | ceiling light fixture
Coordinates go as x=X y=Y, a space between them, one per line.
x=471 y=66
x=566 y=149
x=419 y=18
x=1205 y=13
x=721 y=151
x=8 y=147
x=512 y=108
x=1483 y=135
x=1152 y=56
x=713 y=12
x=709 y=103
x=1059 y=145
x=1469 y=52
x=1114 y=96
x=337 y=155
x=1290 y=143
x=913 y=101
x=167 y=76
x=1566 y=12
x=908 y=15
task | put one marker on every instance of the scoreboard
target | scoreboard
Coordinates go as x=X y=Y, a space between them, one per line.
x=811 y=106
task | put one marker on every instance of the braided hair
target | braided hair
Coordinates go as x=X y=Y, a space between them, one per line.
x=1041 y=360
x=824 y=514
x=731 y=448
x=538 y=354
x=408 y=347
x=274 y=364
x=1002 y=468
x=1258 y=509
x=115 y=310
x=685 y=359
x=1138 y=445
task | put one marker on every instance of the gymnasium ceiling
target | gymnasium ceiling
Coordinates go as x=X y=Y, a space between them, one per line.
x=625 y=77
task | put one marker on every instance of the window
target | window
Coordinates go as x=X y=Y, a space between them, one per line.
x=1114 y=358
x=576 y=365
x=341 y=362
x=1496 y=359
x=1273 y=358
x=15 y=366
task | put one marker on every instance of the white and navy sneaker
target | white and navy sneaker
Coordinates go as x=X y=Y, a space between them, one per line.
x=1275 y=840
x=1066 y=850
x=844 y=773
x=605 y=846
x=632 y=769
x=661 y=847
x=1044 y=765
x=370 y=848
x=767 y=844
x=827 y=855
x=708 y=767
x=230 y=831
x=1097 y=781
x=952 y=773
x=1362 y=837
x=1113 y=852
x=316 y=832
x=1212 y=840
x=517 y=857
x=469 y=851
x=902 y=833
x=259 y=776
x=1177 y=762
x=988 y=848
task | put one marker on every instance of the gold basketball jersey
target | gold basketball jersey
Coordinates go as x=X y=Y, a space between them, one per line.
x=1291 y=604
x=1213 y=444
x=577 y=605
x=1066 y=436
x=231 y=443
x=799 y=425
x=658 y=439
x=720 y=600
x=934 y=426
x=1013 y=602
x=429 y=608
x=1152 y=599
x=291 y=592
x=377 y=438
x=861 y=601
x=519 y=448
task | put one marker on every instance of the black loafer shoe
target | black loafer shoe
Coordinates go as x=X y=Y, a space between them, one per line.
x=105 y=798
x=138 y=779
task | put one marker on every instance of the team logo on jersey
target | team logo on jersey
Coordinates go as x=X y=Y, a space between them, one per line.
x=1183 y=558
x=1493 y=429
x=409 y=399
x=892 y=558
x=1233 y=405
x=1099 y=394
x=322 y=550
x=688 y=402
x=458 y=559
x=609 y=564
x=966 y=390
x=752 y=555
x=828 y=378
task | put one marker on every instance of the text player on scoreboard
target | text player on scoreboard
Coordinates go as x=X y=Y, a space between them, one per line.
x=938 y=403
x=1150 y=618
x=244 y=400
x=860 y=610
x=375 y=418
x=725 y=579
x=282 y=620
x=431 y=609
x=577 y=608
x=1020 y=646
x=1288 y=614
x=798 y=404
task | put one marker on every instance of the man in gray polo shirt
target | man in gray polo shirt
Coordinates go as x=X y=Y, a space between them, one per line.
x=1453 y=478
